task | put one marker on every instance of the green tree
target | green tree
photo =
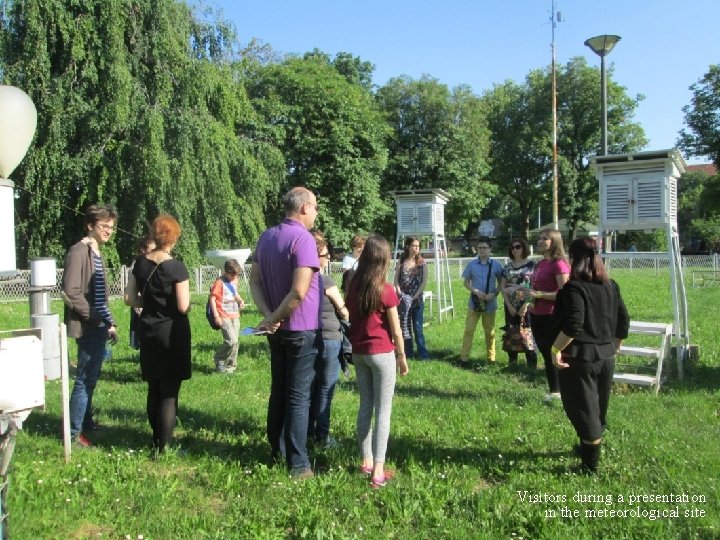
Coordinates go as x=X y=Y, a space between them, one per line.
x=139 y=107
x=332 y=139
x=353 y=68
x=518 y=149
x=702 y=116
x=707 y=221
x=520 y=119
x=579 y=133
x=439 y=140
x=690 y=202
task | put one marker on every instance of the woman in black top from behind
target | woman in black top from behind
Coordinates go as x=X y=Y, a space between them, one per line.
x=160 y=285
x=592 y=322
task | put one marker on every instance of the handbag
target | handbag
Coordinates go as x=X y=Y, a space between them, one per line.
x=345 y=356
x=517 y=339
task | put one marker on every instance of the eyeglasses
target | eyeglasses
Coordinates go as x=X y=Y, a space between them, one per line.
x=517 y=246
x=324 y=255
x=105 y=227
x=483 y=247
x=314 y=205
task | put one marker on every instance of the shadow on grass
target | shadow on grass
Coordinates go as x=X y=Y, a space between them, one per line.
x=242 y=439
x=196 y=432
x=696 y=377
x=492 y=461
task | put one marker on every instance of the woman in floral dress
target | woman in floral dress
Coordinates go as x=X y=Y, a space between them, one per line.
x=515 y=287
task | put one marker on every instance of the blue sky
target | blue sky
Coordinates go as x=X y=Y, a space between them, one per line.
x=666 y=45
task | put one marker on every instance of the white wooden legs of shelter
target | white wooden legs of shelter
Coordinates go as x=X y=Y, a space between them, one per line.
x=441 y=275
x=664 y=333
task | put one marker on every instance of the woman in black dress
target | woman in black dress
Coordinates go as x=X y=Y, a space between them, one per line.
x=160 y=285
x=591 y=321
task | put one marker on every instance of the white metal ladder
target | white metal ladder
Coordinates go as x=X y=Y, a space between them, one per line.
x=661 y=330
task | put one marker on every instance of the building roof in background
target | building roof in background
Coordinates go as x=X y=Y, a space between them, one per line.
x=582 y=226
x=709 y=168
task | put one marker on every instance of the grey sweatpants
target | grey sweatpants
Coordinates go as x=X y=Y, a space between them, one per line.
x=226 y=356
x=375 y=375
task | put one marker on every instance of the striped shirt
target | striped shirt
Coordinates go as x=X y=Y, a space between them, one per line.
x=98 y=290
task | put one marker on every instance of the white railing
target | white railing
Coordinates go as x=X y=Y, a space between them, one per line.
x=201 y=278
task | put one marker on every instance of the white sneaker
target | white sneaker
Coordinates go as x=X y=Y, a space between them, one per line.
x=551 y=397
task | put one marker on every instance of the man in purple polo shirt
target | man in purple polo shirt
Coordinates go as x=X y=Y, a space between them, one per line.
x=285 y=286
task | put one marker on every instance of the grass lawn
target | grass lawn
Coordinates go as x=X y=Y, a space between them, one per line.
x=477 y=454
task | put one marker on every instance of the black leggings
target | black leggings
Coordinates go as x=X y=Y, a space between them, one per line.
x=162 y=402
x=544 y=337
x=585 y=388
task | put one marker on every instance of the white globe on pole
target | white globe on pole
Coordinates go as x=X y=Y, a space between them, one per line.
x=18 y=120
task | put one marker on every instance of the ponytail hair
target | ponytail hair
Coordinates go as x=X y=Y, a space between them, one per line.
x=585 y=261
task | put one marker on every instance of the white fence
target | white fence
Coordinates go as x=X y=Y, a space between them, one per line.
x=16 y=289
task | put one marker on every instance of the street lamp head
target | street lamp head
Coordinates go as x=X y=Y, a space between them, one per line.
x=602 y=45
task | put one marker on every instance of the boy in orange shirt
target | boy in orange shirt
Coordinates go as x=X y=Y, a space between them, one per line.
x=226 y=306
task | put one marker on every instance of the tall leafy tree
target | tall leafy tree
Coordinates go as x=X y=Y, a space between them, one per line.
x=518 y=149
x=332 y=138
x=702 y=116
x=439 y=140
x=520 y=119
x=356 y=70
x=579 y=132
x=707 y=220
x=138 y=106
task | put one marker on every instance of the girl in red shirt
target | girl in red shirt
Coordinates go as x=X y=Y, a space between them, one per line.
x=375 y=335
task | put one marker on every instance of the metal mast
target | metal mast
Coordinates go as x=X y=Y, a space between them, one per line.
x=554 y=17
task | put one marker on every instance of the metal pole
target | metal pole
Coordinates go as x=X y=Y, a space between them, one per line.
x=603 y=94
x=603 y=135
x=554 y=141
x=554 y=121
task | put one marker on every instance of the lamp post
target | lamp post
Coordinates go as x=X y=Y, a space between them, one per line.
x=602 y=45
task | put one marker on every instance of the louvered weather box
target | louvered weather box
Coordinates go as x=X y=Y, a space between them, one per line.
x=638 y=191
x=421 y=212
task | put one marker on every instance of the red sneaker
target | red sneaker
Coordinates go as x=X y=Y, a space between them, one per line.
x=82 y=440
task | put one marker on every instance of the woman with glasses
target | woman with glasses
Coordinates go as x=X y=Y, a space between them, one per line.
x=592 y=321
x=327 y=368
x=411 y=276
x=550 y=274
x=515 y=286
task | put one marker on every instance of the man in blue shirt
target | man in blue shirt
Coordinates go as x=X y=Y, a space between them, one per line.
x=87 y=316
x=482 y=278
